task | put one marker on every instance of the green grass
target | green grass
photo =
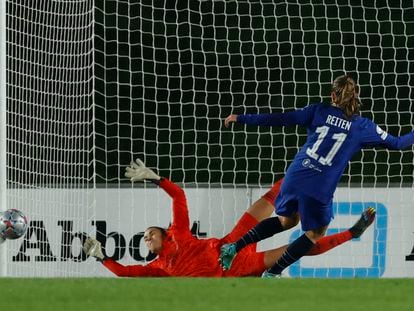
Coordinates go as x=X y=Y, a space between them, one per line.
x=199 y=294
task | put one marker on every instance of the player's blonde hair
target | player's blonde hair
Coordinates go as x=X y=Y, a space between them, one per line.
x=346 y=91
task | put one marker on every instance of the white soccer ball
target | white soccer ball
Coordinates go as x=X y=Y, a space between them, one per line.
x=13 y=224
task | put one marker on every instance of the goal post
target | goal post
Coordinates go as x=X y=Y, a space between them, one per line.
x=3 y=130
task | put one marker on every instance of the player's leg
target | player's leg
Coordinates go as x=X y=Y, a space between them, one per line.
x=321 y=246
x=294 y=251
x=315 y=217
x=280 y=258
x=263 y=230
x=326 y=243
x=367 y=218
x=286 y=219
x=287 y=206
x=272 y=256
x=259 y=210
x=247 y=263
x=287 y=210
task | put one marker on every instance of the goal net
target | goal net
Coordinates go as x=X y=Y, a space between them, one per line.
x=92 y=86
x=50 y=136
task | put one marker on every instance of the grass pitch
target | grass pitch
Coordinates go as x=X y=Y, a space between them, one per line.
x=198 y=294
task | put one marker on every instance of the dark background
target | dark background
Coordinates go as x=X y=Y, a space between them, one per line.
x=168 y=72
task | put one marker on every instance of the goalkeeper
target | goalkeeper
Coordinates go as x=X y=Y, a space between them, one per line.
x=179 y=253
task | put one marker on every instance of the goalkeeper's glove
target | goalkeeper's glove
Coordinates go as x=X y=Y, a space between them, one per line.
x=138 y=171
x=92 y=247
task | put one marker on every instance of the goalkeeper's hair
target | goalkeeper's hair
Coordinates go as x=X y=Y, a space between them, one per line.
x=346 y=91
x=163 y=230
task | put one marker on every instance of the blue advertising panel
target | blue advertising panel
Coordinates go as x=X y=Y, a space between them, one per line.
x=375 y=270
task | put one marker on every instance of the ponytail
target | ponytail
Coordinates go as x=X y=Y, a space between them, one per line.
x=346 y=92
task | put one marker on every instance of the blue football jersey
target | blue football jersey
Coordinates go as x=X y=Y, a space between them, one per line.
x=331 y=142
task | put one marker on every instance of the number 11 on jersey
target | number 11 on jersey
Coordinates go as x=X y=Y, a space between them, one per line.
x=323 y=131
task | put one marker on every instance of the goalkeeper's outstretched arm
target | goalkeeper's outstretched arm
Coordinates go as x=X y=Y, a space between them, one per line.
x=139 y=172
x=92 y=247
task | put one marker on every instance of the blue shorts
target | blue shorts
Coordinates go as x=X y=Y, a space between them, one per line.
x=313 y=213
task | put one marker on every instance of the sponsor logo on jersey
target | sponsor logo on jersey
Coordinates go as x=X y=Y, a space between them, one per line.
x=307 y=163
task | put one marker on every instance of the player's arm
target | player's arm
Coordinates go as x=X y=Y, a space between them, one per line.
x=92 y=247
x=373 y=135
x=180 y=222
x=297 y=117
x=399 y=142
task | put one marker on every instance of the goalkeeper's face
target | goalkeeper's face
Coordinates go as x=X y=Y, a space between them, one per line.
x=153 y=238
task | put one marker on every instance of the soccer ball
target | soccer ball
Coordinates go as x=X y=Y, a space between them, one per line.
x=13 y=224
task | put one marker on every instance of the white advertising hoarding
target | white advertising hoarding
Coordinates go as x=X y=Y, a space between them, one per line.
x=61 y=218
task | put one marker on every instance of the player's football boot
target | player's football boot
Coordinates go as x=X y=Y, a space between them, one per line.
x=268 y=275
x=227 y=254
x=367 y=218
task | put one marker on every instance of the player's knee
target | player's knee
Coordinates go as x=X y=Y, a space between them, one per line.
x=289 y=222
x=316 y=234
x=296 y=219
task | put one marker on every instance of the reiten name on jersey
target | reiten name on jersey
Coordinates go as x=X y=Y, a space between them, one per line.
x=341 y=123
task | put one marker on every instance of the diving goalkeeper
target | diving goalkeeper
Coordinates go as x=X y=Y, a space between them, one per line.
x=179 y=253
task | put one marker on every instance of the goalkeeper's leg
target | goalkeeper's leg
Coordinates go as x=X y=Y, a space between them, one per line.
x=261 y=210
x=258 y=211
x=267 y=227
x=321 y=246
x=264 y=207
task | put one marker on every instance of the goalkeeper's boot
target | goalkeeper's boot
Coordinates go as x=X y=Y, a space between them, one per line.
x=227 y=254
x=367 y=218
x=270 y=275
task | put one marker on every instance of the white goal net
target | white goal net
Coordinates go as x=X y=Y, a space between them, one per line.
x=92 y=85
x=50 y=142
